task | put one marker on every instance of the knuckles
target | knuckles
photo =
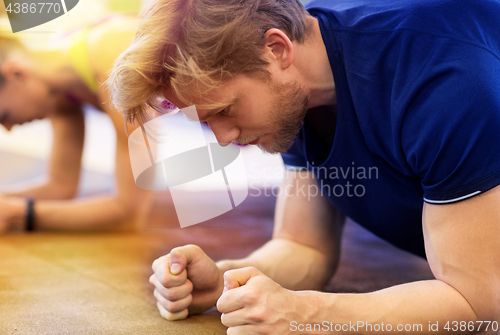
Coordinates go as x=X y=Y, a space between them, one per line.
x=160 y=262
x=194 y=247
x=223 y=319
x=258 y=315
x=174 y=295
x=173 y=306
x=249 y=297
x=173 y=316
x=168 y=280
x=178 y=306
x=166 y=295
x=165 y=281
x=171 y=295
x=179 y=250
x=167 y=315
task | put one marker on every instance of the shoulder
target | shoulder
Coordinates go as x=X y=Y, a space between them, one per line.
x=466 y=20
x=106 y=41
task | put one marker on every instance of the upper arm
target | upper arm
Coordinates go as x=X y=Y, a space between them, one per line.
x=463 y=249
x=106 y=43
x=127 y=192
x=306 y=217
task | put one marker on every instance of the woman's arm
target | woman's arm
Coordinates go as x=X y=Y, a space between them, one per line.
x=61 y=181
x=127 y=207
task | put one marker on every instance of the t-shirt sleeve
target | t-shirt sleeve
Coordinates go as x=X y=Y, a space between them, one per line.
x=451 y=131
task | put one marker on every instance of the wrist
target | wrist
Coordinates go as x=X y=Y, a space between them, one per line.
x=17 y=214
x=224 y=266
x=210 y=298
x=314 y=307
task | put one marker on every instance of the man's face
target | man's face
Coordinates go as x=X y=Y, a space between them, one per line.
x=255 y=111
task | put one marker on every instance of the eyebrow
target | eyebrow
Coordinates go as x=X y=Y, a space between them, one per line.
x=214 y=111
x=211 y=113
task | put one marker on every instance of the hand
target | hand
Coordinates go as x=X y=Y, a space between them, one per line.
x=12 y=211
x=187 y=281
x=252 y=303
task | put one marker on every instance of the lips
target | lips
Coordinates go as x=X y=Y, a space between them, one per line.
x=248 y=143
x=255 y=141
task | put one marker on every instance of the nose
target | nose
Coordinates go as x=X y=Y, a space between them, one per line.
x=8 y=127
x=224 y=131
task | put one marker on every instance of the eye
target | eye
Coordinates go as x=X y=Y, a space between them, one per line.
x=225 y=111
x=4 y=117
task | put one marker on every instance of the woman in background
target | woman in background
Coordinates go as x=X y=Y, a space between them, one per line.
x=55 y=84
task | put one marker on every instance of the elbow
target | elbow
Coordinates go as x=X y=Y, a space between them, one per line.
x=495 y=300
x=486 y=304
x=330 y=269
x=493 y=305
x=132 y=215
x=331 y=260
x=63 y=190
x=65 y=193
x=127 y=220
x=488 y=312
x=326 y=268
x=68 y=193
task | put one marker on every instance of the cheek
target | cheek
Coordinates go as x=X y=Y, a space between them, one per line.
x=36 y=91
x=26 y=107
x=257 y=113
x=38 y=101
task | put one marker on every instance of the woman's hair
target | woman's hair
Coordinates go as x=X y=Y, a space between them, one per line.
x=194 y=45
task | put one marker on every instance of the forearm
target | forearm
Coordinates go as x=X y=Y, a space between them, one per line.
x=416 y=306
x=290 y=264
x=90 y=214
x=42 y=190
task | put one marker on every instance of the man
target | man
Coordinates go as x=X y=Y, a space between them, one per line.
x=409 y=89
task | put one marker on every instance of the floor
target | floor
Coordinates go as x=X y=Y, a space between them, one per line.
x=98 y=283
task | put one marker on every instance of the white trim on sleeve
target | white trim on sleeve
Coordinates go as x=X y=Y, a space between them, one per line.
x=451 y=200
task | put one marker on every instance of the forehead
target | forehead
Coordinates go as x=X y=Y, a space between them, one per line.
x=220 y=96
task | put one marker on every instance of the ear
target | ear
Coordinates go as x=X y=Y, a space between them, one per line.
x=13 y=70
x=280 y=47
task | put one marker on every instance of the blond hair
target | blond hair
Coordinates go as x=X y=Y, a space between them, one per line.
x=8 y=43
x=194 y=45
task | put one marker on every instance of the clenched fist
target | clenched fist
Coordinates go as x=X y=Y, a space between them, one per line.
x=252 y=303
x=186 y=282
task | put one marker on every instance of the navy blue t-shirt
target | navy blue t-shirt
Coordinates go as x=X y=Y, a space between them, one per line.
x=418 y=118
